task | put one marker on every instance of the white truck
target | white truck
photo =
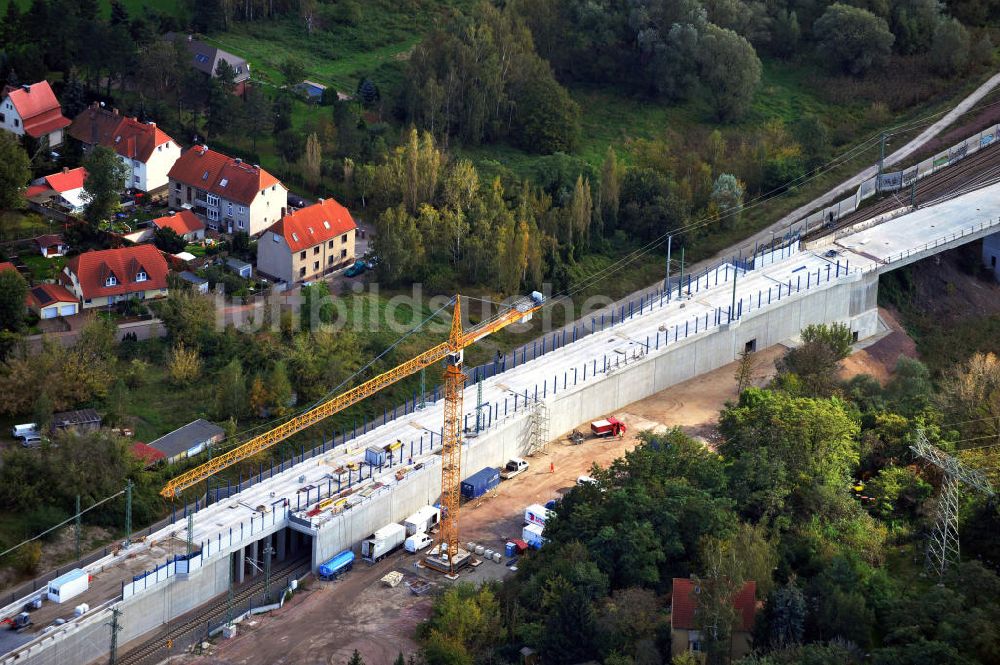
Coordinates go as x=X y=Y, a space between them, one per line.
x=532 y=535
x=514 y=467
x=536 y=514
x=423 y=520
x=383 y=542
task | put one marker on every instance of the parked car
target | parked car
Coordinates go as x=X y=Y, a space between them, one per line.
x=356 y=269
x=25 y=431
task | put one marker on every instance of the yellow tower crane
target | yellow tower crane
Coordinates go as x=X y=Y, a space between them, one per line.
x=451 y=353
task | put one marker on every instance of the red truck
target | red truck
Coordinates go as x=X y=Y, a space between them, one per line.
x=608 y=427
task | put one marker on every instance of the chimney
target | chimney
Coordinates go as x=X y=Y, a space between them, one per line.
x=114 y=111
x=26 y=87
x=282 y=211
x=65 y=169
x=151 y=123
x=237 y=161
x=256 y=166
x=320 y=200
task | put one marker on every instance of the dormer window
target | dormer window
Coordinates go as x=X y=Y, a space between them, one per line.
x=295 y=236
x=141 y=276
x=326 y=224
x=224 y=182
x=117 y=139
x=204 y=176
x=111 y=281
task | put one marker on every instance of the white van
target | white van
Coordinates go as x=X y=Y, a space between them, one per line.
x=417 y=542
x=585 y=480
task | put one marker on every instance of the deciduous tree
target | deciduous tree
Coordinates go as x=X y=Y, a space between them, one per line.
x=852 y=39
x=15 y=171
x=107 y=177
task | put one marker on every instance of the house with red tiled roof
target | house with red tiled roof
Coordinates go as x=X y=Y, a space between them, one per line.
x=33 y=110
x=49 y=301
x=7 y=265
x=146 y=453
x=229 y=194
x=144 y=148
x=308 y=243
x=105 y=277
x=65 y=189
x=185 y=223
x=684 y=631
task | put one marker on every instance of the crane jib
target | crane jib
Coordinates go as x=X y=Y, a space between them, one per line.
x=522 y=312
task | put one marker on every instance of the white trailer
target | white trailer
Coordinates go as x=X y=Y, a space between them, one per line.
x=532 y=534
x=383 y=542
x=423 y=520
x=536 y=514
x=68 y=586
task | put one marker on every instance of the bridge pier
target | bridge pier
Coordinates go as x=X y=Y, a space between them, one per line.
x=282 y=537
x=991 y=254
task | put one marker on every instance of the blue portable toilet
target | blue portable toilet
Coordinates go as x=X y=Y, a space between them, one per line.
x=510 y=550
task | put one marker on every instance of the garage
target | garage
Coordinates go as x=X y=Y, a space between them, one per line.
x=50 y=301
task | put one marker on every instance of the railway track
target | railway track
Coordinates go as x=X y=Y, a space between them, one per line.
x=977 y=170
x=176 y=634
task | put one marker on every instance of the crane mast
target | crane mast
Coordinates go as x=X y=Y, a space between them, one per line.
x=451 y=450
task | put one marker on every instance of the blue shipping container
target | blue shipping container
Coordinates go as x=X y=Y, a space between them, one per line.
x=337 y=565
x=480 y=482
x=375 y=456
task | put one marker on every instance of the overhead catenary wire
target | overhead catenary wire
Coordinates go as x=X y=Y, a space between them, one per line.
x=63 y=523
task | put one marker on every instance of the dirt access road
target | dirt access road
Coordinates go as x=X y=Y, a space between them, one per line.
x=329 y=620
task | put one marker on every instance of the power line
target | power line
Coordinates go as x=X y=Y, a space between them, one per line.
x=63 y=523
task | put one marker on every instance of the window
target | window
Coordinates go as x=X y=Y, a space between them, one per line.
x=275 y=237
x=751 y=346
x=326 y=224
x=295 y=237
x=110 y=281
x=17 y=123
x=239 y=223
x=223 y=182
x=202 y=58
x=204 y=176
x=329 y=261
x=330 y=244
x=229 y=209
x=854 y=336
x=177 y=186
x=315 y=266
x=212 y=199
x=3 y=118
x=302 y=271
x=302 y=254
x=343 y=238
x=135 y=178
x=141 y=276
x=213 y=214
x=343 y=253
x=159 y=148
x=243 y=210
x=315 y=250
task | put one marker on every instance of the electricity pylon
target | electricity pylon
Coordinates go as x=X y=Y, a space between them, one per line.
x=942 y=549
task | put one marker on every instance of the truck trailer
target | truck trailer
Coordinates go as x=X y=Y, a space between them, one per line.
x=337 y=566
x=480 y=482
x=423 y=520
x=383 y=542
x=68 y=586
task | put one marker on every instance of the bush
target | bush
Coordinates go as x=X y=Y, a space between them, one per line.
x=950 y=49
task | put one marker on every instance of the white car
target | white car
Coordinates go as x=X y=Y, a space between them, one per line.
x=417 y=542
x=585 y=480
x=27 y=430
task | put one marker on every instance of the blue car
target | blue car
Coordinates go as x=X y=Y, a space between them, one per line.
x=355 y=270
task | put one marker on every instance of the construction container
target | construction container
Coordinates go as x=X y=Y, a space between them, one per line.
x=536 y=514
x=375 y=456
x=337 y=566
x=532 y=534
x=480 y=482
x=68 y=586
x=383 y=542
x=423 y=520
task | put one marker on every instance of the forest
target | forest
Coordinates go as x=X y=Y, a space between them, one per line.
x=813 y=492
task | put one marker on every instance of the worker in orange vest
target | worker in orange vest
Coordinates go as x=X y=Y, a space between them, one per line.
x=552 y=467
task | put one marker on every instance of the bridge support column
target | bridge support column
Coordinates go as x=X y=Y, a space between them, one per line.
x=282 y=537
x=240 y=565
x=991 y=254
x=255 y=558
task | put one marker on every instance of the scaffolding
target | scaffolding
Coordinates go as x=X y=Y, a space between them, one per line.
x=538 y=433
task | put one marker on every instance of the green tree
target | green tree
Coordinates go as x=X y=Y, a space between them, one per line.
x=913 y=24
x=951 y=47
x=548 y=120
x=312 y=161
x=729 y=69
x=852 y=39
x=399 y=246
x=167 y=240
x=785 y=616
x=279 y=389
x=610 y=192
x=814 y=137
x=231 y=392
x=106 y=178
x=785 y=449
x=292 y=70
x=814 y=362
x=15 y=171
x=258 y=114
x=727 y=195
x=367 y=92
x=42 y=411
x=188 y=317
x=13 y=291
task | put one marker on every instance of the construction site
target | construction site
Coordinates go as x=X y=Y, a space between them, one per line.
x=422 y=492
